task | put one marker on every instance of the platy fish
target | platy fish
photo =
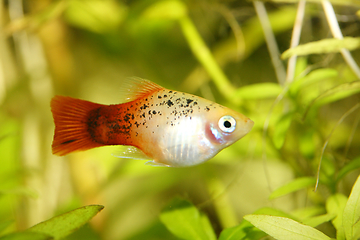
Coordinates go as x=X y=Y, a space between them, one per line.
x=168 y=127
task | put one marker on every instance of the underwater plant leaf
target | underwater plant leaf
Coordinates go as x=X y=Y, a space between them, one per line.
x=97 y=16
x=313 y=77
x=334 y=94
x=351 y=213
x=26 y=236
x=236 y=232
x=170 y=10
x=281 y=129
x=64 y=224
x=207 y=227
x=185 y=221
x=317 y=220
x=293 y=186
x=284 y=228
x=245 y=228
x=323 y=46
x=259 y=91
x=354 y=164
x=335 y=204
x=338 y=2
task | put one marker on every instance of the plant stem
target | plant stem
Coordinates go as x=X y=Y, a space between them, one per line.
x=205 y=57
x=270 y=41
x=295 y=39
x=336 y=32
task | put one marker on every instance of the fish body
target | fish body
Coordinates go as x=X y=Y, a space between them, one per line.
x=172 y=128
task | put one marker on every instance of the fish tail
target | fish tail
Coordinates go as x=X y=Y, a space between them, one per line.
x=71 y=117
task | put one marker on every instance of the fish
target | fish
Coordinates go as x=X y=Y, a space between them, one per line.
x=167 y=127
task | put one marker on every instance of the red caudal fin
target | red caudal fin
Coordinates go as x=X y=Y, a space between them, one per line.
x=71 y=125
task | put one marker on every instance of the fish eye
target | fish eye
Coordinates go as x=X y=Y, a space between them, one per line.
x=227 y=124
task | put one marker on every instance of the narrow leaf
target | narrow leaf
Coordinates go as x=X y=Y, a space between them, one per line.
x=259 y=91
x=334 y=94
x=316 y=221
x=207 y=227
x=293 y=186
x=337 y=2
x=170 y=10
x=354 y=164
x=62 y=225
x=335 y=204
x=281 y=129
x=26 y=236
x=244 y=229
x=313 y=77
x=96 y=15
x=185 y=221
x=284 y=228
x=323 y=46
x=352 y=210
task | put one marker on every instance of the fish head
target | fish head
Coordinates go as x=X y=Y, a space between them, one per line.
x=226 y=126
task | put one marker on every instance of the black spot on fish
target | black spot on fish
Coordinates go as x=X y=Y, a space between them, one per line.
x=127 y=117
x=169 y=103
x=188 y=101
x=165 y=96
x=144 y=106
x=207 y=108
x=154 y=112
x=159 y=97
x=170 y=91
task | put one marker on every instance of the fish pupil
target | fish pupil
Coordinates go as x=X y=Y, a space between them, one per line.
x=227 y=124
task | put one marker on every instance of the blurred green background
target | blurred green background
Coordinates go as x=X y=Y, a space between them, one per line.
x=86 y=48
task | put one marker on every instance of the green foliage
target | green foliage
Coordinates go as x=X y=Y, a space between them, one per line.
x=186 y=222
x=57 y=227
x=323 y=46
x=284 y=228
x=293 y=186
x=306 y=130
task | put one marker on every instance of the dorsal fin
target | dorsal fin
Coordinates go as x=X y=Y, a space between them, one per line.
x=134 y=88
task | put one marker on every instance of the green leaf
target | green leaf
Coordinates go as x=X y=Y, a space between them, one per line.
x=26 y=236
x=244 y=229
x=323 y=46
x=171 y=10
x=308 y=212
x=281 y=129
x=293 y=186
x=335 y=204
x=185 y=221
x=236 y=232
x=96 y=15
x=207 y=227
x=62 y=225
x=259 y=91
x=334 y=94
x=351 y=213
x=354 y=164
x=338 y=2
x=316 y=221
x=313 y=77
x=284 y=228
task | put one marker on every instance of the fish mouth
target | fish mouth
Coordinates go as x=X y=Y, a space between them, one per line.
x=245 y=127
